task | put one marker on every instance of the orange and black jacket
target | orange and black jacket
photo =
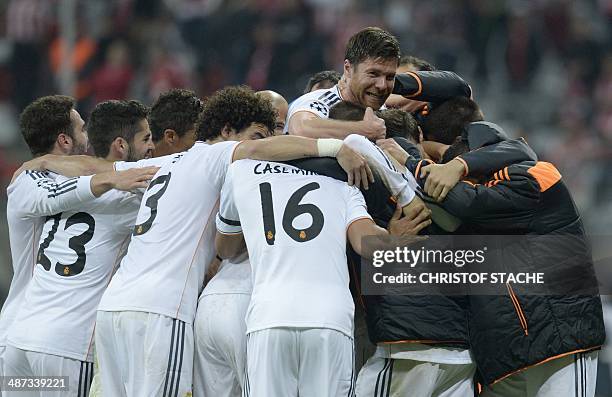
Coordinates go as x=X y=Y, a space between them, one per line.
x=435 y=86
x=519 y=329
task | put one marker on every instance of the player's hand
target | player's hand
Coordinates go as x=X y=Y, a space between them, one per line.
x=408 y=105
x=393 y=149
x=441 y=178
x=372 y=126
x=355 y=166
x=37 y=164
x=416 y=219
x=132 y=179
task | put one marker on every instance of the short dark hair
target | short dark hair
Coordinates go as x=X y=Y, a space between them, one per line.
x=113 y=119
x=419 y=64
x=448 y=120
x=43 y=120
x=374 y=43
x=400 y=123
x=347 y=111
x=177 y=109
x=332 y=76
x=458 y=147
x=236 y=107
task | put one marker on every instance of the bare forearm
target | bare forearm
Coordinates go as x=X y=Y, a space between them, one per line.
x=322 y=128
x=278 y=148
x=102 y=183
x=75 y=165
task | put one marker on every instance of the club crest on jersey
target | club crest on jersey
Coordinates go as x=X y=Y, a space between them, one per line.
x=319 y=107
x=269 y=235
x=302 y=235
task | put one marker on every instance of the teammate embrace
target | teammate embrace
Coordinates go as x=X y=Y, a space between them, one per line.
x=210 y=256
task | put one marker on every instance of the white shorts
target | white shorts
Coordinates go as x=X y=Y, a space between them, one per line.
x=144 y=354
x=402 y=377
x=570 y=376
x=220 y=345
x=95 y=390
x=19 y=362
x=309 y=362
x=2 y=350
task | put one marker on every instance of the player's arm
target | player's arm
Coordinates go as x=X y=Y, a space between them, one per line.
x=409 y=225
x=229 y=240
x=229 y=246
x=308 y=124
x=401 y=184
x=37 y=195
x=506 y=202
x=86 y=165
x=431 y=86
x=287 y=147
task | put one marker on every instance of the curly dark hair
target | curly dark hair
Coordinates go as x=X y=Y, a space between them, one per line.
x=372 y=43
x=177 y=110
x=236 y=107
x=112 y=119
x=43 y=120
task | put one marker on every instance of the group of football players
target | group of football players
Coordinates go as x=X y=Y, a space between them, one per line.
x=207 y=247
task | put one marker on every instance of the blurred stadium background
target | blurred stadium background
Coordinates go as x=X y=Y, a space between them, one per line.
x=542 y=69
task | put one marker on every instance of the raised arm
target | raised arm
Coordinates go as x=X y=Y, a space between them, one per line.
x=34 y=194
x=309 y=125
x=434 y=86
x=287 y=147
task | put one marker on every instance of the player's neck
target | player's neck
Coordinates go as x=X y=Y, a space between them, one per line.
x=215 y=140
x=345 y=91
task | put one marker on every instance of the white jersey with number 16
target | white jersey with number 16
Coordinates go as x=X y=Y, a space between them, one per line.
x=294 y=223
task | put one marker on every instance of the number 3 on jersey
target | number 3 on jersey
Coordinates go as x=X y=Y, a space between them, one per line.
x=152 y=202
x=293 y=209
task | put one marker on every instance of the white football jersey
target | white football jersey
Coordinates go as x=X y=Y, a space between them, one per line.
x=295 y=225
x=152 y=162
x=318 y=102
x=32 y=196
x=233 y=277
x=173 y=240
x=78 y=250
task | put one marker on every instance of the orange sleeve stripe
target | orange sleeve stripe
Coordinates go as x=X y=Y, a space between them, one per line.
x=506 y=174
x=545 y=174
x=418 y=169
x=419 y=82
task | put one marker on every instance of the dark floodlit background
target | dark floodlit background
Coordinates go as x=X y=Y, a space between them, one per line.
x=541 y=69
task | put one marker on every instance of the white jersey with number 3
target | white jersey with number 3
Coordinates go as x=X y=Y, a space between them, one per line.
x=295 y=225
x=173 y=240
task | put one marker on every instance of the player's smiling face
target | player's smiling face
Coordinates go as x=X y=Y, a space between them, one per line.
x=371 y=81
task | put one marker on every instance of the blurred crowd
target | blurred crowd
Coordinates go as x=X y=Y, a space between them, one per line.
x=540 y=68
